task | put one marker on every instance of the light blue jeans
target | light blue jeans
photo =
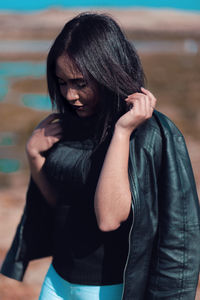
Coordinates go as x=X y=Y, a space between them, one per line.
x=56 y=288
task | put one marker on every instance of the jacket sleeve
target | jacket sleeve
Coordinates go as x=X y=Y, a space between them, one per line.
x=175 y=259
x=32 y=239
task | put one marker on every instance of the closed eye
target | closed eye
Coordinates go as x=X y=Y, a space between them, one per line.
x=60 y=81
x=80 y=83
x=76 y=82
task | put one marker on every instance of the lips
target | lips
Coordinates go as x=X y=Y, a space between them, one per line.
x=78 y=107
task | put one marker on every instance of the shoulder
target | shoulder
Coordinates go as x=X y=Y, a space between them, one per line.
x=159 y=139
x=166 y=125
x=158 y=129
x=147 y=135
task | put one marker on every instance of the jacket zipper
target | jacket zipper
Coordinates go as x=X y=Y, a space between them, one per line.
x=134 y=192
x=129 y=238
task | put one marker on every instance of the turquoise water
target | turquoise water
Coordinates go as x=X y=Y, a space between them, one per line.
x=3 y=88
x=8 y=72
x=36 y=101
x=9 y=165
x=17 y=69
x=7 y=139
x=14 y=70
x=22 y=69
x=44 y=4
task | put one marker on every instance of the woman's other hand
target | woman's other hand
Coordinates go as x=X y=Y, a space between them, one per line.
x=45 y=135
x=141 y=108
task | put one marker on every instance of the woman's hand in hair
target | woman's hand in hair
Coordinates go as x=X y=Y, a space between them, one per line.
x=45 y=135
x=141 y=106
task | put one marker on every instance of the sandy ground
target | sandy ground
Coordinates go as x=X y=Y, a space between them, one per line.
x=45 y=25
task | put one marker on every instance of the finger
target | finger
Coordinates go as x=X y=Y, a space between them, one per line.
x=142 y=106
x=129 y=104
x=56 y=139
x=138 y=100
x=150 y=95
x=138 y=106
x=58 y=136
x=149 y=107
x=135 y=95
x=139 y=96
x=146 y=92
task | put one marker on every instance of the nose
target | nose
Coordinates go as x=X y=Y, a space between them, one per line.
x=72 y=95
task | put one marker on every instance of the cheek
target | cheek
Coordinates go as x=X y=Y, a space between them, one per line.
x=91 y=97
x=96 y=99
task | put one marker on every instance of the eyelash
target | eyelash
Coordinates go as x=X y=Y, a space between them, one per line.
x=79 y=85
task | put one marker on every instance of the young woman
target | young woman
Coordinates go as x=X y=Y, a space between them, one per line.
x=112 y=196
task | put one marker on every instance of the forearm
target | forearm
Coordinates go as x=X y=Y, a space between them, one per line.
x=36 y=162
x=113 y=197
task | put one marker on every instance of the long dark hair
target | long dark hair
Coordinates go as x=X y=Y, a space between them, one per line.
x=101 y=52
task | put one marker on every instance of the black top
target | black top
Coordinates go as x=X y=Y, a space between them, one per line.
x=83 y=254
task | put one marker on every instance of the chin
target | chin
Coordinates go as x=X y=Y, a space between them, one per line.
x=84 y=114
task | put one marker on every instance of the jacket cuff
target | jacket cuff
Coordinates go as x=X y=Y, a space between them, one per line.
x=14 y=270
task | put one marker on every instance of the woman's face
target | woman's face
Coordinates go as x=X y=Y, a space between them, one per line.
x=81 y=95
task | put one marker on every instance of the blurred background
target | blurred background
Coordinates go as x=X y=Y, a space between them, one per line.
x=167 y=37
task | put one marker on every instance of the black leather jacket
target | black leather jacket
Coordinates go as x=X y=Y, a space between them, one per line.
x=164 y=242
